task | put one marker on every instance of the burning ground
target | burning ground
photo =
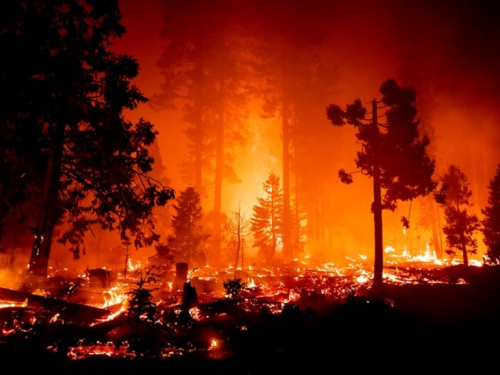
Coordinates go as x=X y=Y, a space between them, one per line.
x=250 y=321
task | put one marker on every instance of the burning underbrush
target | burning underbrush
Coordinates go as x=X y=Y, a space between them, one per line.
x=214 y=313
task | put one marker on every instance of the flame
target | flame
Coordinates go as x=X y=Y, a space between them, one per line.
x=273 y=287
x=389 y=249
x=362 y=279
x=114 y=296
x=133 y=266
x=55 y=318
x=7 y=304
x=195 y=313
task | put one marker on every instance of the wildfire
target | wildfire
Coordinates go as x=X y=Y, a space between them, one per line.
x=274 y=289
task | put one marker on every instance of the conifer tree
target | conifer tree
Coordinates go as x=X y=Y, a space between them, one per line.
x=460 y=225
x=187 y=234
x=204 y=66
x=63 y=96
x=393 y=154
x=491 y=222
x=267 y=219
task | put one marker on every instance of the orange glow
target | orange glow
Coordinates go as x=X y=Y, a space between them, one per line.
x=232 y=98
x=132 y=266
x=274 y=287
x=99 y=349
x=346 y=49
x=454 y=73
x=5 y=304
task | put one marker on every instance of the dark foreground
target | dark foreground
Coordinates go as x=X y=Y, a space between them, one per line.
x=411 y=327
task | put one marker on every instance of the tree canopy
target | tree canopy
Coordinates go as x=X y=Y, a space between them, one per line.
x=393 y=154
x=491 y=222
x=267 y=219
x=460 y=225
x=187 y=235
x=203 y=66
x=63 y=93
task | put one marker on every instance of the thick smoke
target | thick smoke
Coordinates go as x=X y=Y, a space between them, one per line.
x=447 y=50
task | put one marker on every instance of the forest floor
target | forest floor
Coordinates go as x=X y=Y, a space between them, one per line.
x=446 y=326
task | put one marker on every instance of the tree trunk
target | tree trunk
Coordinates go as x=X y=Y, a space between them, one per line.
x=39 y=260
x=435 y=229
x=238 y=247
x=4 y=206
x=242 y=254
x=465 y=255
x=377 y=214
x=296 y=237
x=287 y=248
x=440 y=231
x=198 y=146
x=219 y=168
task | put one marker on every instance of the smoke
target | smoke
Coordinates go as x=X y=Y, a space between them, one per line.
x=447 y=50
x=11 y=279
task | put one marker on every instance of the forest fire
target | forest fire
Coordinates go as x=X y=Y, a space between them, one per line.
x=205 y=313
x=298 y=181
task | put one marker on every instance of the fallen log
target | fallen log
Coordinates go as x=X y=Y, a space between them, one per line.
x=70 y=311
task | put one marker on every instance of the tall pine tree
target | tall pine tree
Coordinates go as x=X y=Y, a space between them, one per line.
x=288 y=43
x=491 y=222
x=203 y=67
x=187 y=237
x=393 y=155
x=267 y=219
x=460 y=225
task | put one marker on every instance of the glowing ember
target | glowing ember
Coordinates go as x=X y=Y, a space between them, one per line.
x=195 y=313
x=109 y=350
x=271 y=289
x=6 y=304
x=55 y=318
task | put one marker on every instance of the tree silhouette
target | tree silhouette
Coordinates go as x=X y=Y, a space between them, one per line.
x=237 y=225
x=460 y=226
x=267 y=219
x=187 y=232
x=22 y=161
x=141 y=306
x=287 y=58
x=393 y=154
x=67 y=95
x=203 y=66
x=491 y=222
